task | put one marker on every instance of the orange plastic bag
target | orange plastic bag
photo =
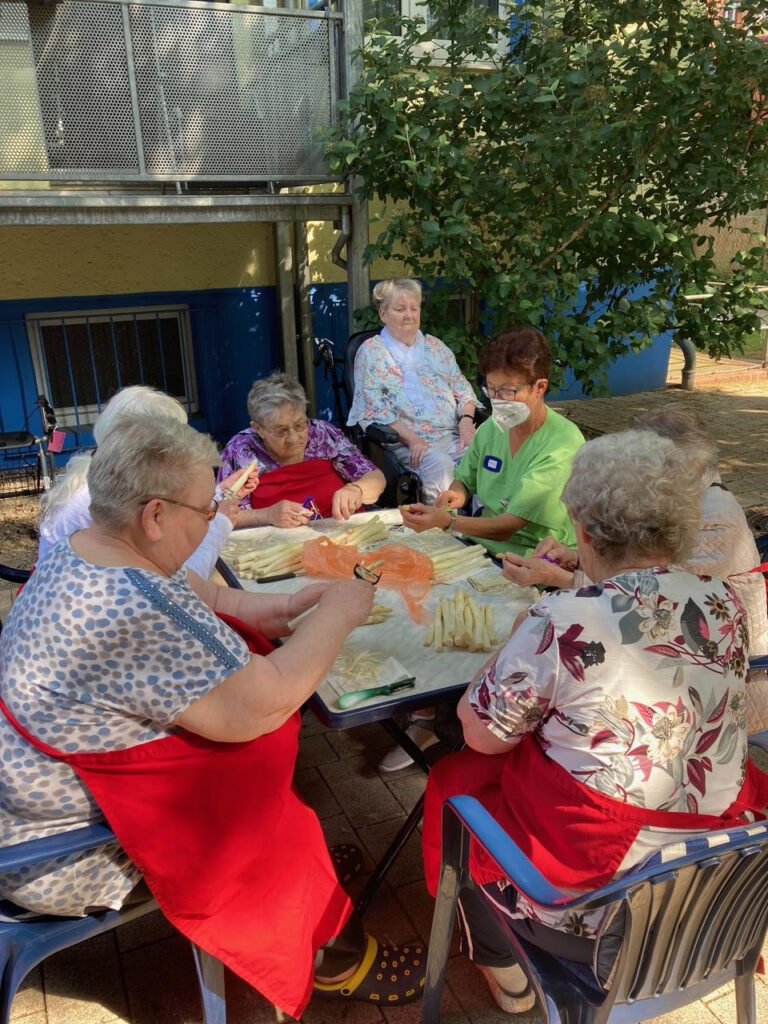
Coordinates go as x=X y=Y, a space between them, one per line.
x=405 y=570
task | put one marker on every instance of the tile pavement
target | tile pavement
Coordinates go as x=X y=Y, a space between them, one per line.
x=143 y=973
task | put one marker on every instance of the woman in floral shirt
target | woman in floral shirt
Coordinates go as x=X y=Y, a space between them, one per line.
x=411 y=382
x=621 y=704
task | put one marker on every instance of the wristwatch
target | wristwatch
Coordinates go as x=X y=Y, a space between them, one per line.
x=452 y=512
x=466 y=416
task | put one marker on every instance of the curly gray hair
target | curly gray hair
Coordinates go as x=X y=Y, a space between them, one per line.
x=686 y=428
x=268 y=394
x=385 y=291
x=636 y=495
x=144 y=458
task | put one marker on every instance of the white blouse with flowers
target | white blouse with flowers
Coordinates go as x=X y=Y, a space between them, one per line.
x=636 y=688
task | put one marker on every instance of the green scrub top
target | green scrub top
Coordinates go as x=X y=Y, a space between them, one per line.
x=528 y=484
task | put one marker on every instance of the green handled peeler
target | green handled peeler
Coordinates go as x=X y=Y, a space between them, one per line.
x=351 y=700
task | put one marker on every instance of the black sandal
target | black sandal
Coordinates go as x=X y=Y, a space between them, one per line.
x=347 y=861
x=387 y=975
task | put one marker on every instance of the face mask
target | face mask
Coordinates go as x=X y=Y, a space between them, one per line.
x=507 y=415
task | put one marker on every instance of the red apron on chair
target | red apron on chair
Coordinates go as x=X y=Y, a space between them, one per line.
x=576 y=837
x=234 y=859
x=315 y=478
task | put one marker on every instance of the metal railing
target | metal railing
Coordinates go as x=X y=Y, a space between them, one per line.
x=101 y=91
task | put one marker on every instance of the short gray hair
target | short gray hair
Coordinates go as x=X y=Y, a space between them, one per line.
x=142 y=459
x=385 y=291
x=686 y=428
x=636 y=494
x=268 y=394
x=136 y=400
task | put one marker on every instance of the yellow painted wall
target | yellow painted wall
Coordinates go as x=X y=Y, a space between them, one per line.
x=50 y=262
x=321 y=237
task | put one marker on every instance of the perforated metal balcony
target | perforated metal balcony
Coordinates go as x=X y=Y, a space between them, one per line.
x=138 y=92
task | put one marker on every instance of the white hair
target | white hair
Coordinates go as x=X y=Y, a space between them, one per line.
x=385 y=292
x=268 y=394
x=145 y=458
x=686 y=428
x=136 y=400
x=636 y=495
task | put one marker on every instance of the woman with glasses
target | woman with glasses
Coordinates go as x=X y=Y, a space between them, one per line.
x=519 y=459
x=127 y=696
x=411 y=382
x=306 y=467
x=66 y=508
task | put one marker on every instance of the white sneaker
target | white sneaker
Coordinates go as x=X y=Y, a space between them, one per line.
x=519 y=1001
x=421 y=731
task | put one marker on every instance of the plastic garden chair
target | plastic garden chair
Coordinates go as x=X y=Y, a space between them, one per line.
x=26 y=940
x=691 y=918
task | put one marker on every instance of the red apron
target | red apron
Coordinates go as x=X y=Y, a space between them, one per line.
x=315 y=479
x=576 y=837
x=234 y=859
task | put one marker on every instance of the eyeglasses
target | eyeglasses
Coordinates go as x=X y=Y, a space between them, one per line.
x=507 y=393
x=209 y=512
x=281 y=433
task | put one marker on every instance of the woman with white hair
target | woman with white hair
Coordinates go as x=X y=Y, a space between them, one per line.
x=617 y=711
x=411 y=382
x=125 y=697
x=66 y=508
x=306 y=467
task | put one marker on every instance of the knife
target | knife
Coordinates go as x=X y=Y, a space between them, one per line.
x=351 y=700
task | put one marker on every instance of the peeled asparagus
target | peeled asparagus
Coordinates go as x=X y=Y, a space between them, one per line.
x=271 y=561
x=452 y=563
x=372 y=532
x=461 y=624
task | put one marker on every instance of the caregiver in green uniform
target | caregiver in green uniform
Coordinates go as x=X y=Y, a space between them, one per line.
x=519 y=459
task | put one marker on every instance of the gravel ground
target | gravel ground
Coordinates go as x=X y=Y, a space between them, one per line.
x=18 y=536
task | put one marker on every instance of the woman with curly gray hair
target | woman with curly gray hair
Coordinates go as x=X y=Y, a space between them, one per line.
x=618 y=711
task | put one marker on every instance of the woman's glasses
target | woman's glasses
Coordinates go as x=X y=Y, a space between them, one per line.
x=282 y=433
x=209 y=512
x=507 y=393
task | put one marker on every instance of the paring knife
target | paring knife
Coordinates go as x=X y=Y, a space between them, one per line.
x=351 y=700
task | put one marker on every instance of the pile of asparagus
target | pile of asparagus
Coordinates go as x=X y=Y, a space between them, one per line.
x=365 y=535
x=379 y=613
x=258 y=563
x=463 y=624
x=454 y=562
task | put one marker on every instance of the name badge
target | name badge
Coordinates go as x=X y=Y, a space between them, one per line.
x=492 y=464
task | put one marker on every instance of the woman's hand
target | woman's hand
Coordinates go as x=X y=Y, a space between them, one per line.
x=250 y=485
x=467 y=430
x=450 y=499
x=346 y=501
x=288 y=514
x=417 y=449
x=420 y=517
x=551 y=549
x=534 y=572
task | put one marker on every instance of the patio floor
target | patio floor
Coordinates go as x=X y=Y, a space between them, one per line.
x=143 y=973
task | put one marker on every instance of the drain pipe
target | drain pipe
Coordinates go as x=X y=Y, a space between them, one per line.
x=345 y=234
x=688 y=382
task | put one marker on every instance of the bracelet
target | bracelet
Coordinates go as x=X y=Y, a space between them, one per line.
x=466 y=416
x=452 y=512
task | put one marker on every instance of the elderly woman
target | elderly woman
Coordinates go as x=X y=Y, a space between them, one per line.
x=300 y=460
x=66 y=508
x=587 y=731
x=411 y=382
x=125 y=697
x=519 y=459
x=723 y=547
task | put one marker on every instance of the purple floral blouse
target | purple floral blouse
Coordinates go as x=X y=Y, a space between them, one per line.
x=636 y=687
x=324 y=442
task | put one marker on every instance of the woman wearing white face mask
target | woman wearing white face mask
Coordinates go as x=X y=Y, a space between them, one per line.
x=519 y=460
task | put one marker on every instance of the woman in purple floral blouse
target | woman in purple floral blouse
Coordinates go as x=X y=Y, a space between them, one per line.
x=298 y=459
x=612 y=722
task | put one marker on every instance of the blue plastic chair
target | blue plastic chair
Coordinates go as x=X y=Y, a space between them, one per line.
x=26 y=940
x=695 y=918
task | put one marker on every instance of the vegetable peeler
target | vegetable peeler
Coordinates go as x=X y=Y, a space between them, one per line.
x=351 y=700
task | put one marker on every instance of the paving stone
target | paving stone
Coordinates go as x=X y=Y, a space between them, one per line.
x=332 y=1011
x=83 y=984
x=385 y=919
x=314 y=750
x=312 y=788
x=143 y=931
x=29 y=999
x=339 y=773
x=406 y=789
x=366 y=801
x=475 y=999
x=694 y=1013
x=162 y=984
x=409 y=866
x=419 y=906
x=723 y=1007
x=362 y=740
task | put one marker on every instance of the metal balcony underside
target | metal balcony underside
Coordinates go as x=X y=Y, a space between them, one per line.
x=115 y=93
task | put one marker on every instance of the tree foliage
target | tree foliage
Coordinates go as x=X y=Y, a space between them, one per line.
x=564 y=182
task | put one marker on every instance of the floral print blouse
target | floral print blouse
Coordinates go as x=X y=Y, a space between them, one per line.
x=380 y=396
x=636 y=687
